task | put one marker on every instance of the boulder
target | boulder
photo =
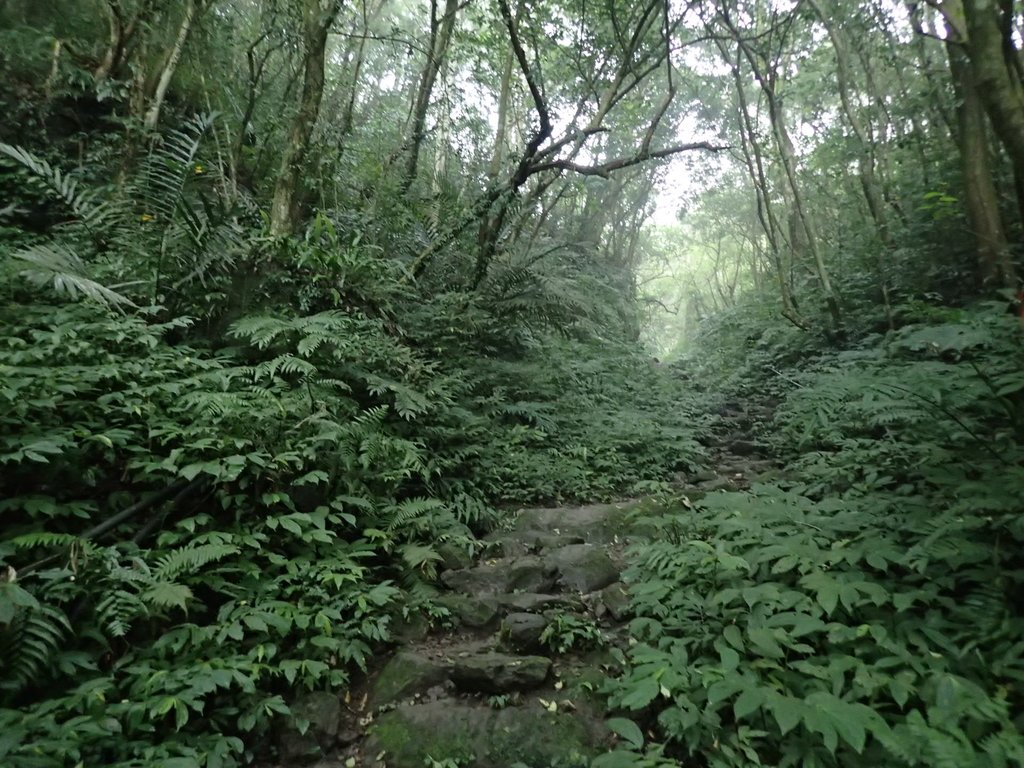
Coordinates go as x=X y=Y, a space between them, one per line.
x=594 y=522
x=615 y=600
x=583 y=567
x=453 y=556
x=533 y=602
x=522 y=631
x=500 y=673
x=474 y=612
x=527 y=574
x=743 y=447
x=407 y=673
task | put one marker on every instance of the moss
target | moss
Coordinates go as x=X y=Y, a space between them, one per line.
x=409 y=743
x=540 y=740
x=406 y=674
x=483 y=738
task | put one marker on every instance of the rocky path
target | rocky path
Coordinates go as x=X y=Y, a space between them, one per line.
x=512 y=679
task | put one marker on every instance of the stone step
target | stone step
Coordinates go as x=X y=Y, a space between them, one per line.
x=577 y=567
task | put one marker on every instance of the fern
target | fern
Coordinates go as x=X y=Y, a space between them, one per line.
x=59 y=266
x=29 y=643
x=189 y=560
x=61 y=185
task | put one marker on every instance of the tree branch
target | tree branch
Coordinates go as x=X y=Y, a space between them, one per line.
x=604 y=170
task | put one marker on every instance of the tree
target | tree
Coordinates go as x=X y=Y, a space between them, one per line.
x=317 y=18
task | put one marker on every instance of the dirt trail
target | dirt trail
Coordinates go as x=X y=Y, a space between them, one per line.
x=490 y=690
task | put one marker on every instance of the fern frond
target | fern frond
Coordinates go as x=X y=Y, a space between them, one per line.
x=29 y=643
x=59 y=266
x=412 y=510
x=165 y=594
x=189 y=560
x=116 y=611
x=59 y=184
x=160 y=187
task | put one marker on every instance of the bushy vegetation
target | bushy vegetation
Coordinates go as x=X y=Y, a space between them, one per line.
x=864 y=610
x=301 y=298
x=204 y=516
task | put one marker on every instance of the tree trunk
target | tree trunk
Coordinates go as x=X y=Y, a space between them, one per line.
x=979 y=188
x=156 y=103
x=995 y=69
x=440 y=41
x=504 y=96
x=318 y=15
x=754 y=162
x=865 y=155
x=784 y=145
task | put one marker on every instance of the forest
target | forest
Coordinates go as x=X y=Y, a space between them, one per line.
x=511 y=383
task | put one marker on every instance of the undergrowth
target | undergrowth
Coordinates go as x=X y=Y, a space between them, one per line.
x=864 y=611
x=203 y=518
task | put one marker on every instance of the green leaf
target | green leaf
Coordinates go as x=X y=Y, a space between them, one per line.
x=641 y=693
x=617 y=759
x=733 y=637
x=723 y=689
x=787 y=712
x=628 y=730
x=765 y=643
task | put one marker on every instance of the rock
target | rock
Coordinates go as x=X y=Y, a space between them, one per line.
x=522 y=631
x=548 y=541
x=528 y=574
x=532 y=602
x=594 y=522
x=509 y=545
x=583 y=567
x=409 y=628
x=322 y=712
x=700 y=474
x=406 y=674
x=743 y=447
x=454 y=557
x=500 y=673
x=474 y=612
x=719 y=484
x=616 y=601
x=480 y=737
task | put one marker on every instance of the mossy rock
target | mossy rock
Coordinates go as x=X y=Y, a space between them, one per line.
x=471 y=611
x=583 y=567
x=407 y=674
x=480 y=737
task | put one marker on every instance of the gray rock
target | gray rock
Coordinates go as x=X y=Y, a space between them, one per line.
x=500 y=673
x=454 y=557
x=549 y=541
x=616 y=601
x=699 y=475
x=509 y=544
x=474 y=612
x=743 y=447
x=533 y=602
x=409 y=628
x=522 y=631
x=528 y=574
x=595 y=522
x=583 y=567
x=719 y=484
x=407 y=673
x=322 y=712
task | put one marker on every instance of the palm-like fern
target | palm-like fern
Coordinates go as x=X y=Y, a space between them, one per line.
x=158 y=226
